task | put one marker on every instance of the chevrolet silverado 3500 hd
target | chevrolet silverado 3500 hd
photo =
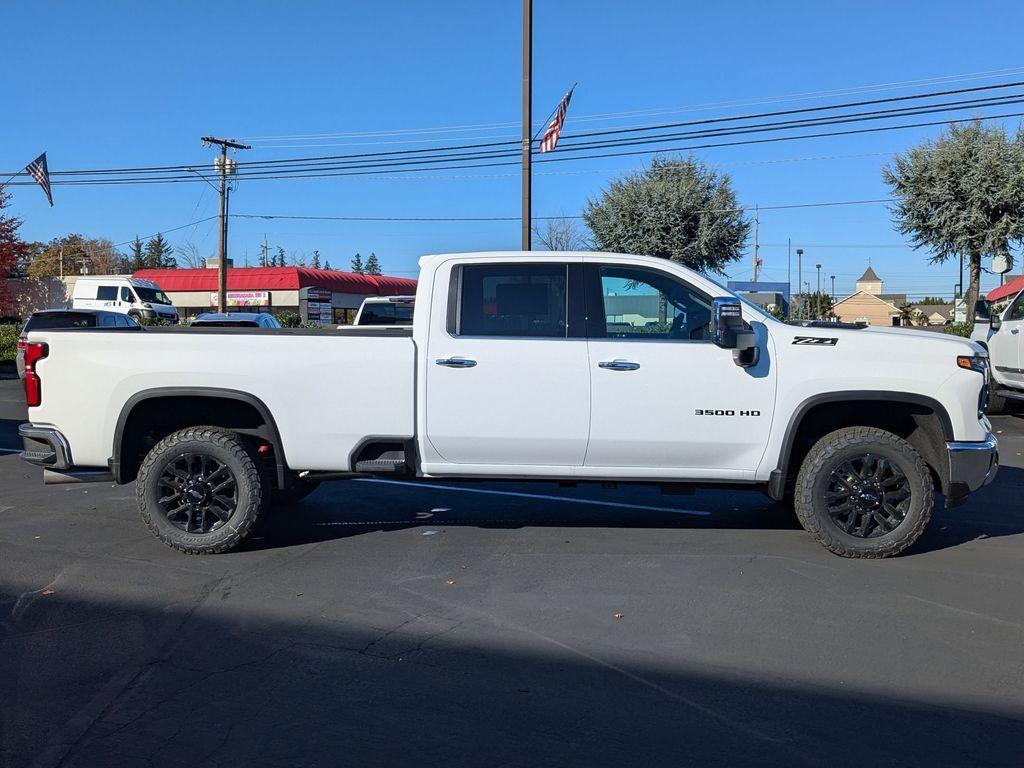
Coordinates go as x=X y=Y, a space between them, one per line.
x=554 y=366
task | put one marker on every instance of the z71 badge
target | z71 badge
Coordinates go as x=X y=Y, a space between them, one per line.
x=819 y=341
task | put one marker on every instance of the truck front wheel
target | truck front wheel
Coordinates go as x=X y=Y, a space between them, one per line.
x=864 y=492
x=200 y=490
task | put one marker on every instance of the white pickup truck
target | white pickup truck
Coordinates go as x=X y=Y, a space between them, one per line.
x=999 y=330
x=567 y=367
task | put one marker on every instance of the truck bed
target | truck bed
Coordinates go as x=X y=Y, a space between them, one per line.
x=327 y=389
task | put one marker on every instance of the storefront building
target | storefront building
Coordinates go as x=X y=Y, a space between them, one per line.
x=318 y=296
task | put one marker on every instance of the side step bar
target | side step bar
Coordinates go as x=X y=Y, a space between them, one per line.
x=1010 y=394
x=381 y=466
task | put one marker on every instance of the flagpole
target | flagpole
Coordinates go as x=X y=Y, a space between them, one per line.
x=527 y=134
x=550 y=115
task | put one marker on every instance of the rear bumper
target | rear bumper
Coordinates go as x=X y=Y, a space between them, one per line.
x=971 y=466
x=46 y=447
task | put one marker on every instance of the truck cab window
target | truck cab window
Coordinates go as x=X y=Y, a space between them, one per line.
x=644 y=304
x=524 y=300
x=126 y=295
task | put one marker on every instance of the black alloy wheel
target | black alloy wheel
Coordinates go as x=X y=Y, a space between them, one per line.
x=868 y=496
x=197 y=493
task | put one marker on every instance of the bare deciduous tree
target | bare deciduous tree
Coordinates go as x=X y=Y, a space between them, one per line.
x=189 y=256
x=560 y=234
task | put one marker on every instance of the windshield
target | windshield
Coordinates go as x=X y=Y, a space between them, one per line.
x=63 y=320
x=386 y=314
x=153 y=296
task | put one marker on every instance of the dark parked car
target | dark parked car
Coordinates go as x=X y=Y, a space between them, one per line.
x=69 y=318
x=236 y=320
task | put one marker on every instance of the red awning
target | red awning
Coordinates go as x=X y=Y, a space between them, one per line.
x=279 y=279
x=1012 y=288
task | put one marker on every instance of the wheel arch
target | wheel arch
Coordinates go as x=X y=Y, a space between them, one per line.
x=925 y=424
x=124 y=461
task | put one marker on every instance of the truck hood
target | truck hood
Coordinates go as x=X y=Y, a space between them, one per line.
x=883 y=334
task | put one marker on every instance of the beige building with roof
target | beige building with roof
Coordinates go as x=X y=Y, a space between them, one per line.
x=868 y=304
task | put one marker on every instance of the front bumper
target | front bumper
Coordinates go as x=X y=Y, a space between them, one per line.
x=971 y=466
x=167 y=317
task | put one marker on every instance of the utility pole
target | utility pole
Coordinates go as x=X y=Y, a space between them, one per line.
x=222 y=249
x=818 y=267
x=789 y=264
x=757 y=244
x=833 y=288
x=266 y=252
x=800 y=277
x=527 y=121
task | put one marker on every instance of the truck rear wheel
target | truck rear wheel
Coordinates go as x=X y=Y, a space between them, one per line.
x=200 y=490
x=864 y=492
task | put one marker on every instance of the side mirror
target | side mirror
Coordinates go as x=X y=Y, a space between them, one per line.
x=728 y=321
x=981 y=311
x=731 y=331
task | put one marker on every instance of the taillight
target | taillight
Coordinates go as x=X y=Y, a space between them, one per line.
x=34 y=352
x=22 y=341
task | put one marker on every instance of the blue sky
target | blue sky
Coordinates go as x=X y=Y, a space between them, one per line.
x=126 y=83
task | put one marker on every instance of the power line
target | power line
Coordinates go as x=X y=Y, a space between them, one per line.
x=567 y=140
x=804 y=96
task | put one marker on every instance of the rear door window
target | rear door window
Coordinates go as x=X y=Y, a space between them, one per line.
x=517 y=300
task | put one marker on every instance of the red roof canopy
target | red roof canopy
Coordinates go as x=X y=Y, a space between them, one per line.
x=279 y=279
x=1011 y=288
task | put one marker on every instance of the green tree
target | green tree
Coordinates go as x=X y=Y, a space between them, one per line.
x=357 y=264
x=281 y=260
x=136 y=255
x=316 y=259
x=961 y=196
x=678 y=209
x=372 y=265
x=811 y=306
x=327 y=265
x=929 y=300
x=77 y=254
x=159 y=254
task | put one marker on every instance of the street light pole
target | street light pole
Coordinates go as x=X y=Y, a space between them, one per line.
x=800 y=276
x=833 y=288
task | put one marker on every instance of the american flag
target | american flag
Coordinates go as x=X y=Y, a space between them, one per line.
x=550 y=139
x=37 y=170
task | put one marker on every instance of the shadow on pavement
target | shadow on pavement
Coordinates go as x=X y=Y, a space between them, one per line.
x=9 y=440
x=450 y=686
x=350 y=508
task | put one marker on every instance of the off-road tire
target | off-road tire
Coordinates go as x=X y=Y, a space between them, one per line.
x=230 y=450
x=813 y=479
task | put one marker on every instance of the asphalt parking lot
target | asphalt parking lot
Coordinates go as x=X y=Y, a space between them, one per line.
x=505 y=625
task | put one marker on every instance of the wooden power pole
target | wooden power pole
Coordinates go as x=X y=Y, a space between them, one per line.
x=527 y=120
x=222 y=248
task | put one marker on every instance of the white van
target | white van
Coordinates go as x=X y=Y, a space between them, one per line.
x=128 y=295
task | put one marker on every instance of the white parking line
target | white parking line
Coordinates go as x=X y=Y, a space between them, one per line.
x=564 y=499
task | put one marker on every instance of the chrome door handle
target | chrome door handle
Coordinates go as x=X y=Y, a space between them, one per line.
x=455 y=362
x=619 y=365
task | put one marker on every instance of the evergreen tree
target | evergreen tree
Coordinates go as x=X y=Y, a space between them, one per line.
x=137 y=255
x=281 y=261
x=372 y=265
x=159 y=254
x=357 y=264
x=316 y=259
x=678 y=209
x=961 y=196
x=327 y=265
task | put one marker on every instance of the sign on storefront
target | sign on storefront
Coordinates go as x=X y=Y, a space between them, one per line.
x=244 y=299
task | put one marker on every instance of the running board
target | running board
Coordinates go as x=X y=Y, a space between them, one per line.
x=382 y=466
x=1010 y=394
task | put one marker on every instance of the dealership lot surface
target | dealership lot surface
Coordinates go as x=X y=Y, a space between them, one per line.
x=505 y=624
